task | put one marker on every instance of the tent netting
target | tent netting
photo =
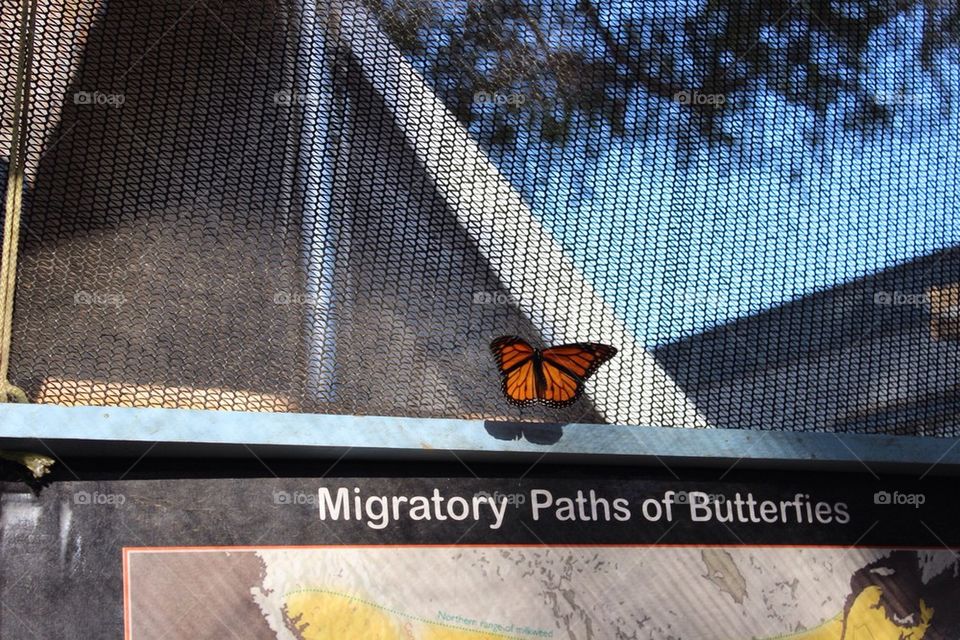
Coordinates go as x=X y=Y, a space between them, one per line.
x=334 y=208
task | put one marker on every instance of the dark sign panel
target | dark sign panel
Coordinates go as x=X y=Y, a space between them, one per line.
x=564 y=555
x=556 y=553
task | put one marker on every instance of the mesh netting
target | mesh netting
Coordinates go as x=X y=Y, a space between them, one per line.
x=335 y=208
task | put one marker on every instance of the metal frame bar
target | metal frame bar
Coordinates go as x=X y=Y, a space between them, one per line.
x=124 y=431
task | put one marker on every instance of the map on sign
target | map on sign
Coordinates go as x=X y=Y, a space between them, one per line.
x=527 y=592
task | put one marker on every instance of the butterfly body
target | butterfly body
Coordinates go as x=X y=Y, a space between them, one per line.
x=553 y=376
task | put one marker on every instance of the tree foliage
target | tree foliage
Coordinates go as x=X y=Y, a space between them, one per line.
x=511 y=65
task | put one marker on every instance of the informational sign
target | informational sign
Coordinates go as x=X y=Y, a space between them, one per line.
x=835 y=557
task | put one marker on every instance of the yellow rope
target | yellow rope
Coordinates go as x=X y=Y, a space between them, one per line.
x=38 y=465
x=13 y=204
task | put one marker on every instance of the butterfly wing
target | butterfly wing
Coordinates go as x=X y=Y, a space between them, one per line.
x=559 y=387
x=518 y=374
x=566 y=368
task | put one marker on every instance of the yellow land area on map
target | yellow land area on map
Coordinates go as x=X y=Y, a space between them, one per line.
x=867 y=621
x=320 y=615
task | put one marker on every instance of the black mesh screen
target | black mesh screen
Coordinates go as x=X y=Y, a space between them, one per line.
x=335 y=208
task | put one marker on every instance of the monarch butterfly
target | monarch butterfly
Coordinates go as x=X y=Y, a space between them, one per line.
x=554 y=376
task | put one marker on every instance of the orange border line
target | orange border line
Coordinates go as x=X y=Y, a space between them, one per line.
x=127 y=630
x=167 y=549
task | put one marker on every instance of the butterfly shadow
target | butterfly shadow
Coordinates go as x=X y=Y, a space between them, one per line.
x=534 y=432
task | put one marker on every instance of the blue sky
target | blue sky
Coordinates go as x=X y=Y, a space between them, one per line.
x=679 y=249
x=740 y=230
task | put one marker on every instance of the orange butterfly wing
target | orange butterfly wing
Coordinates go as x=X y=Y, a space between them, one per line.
x=559 y=388
x=515 y=358
x=567 y=367
x=554 y=376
